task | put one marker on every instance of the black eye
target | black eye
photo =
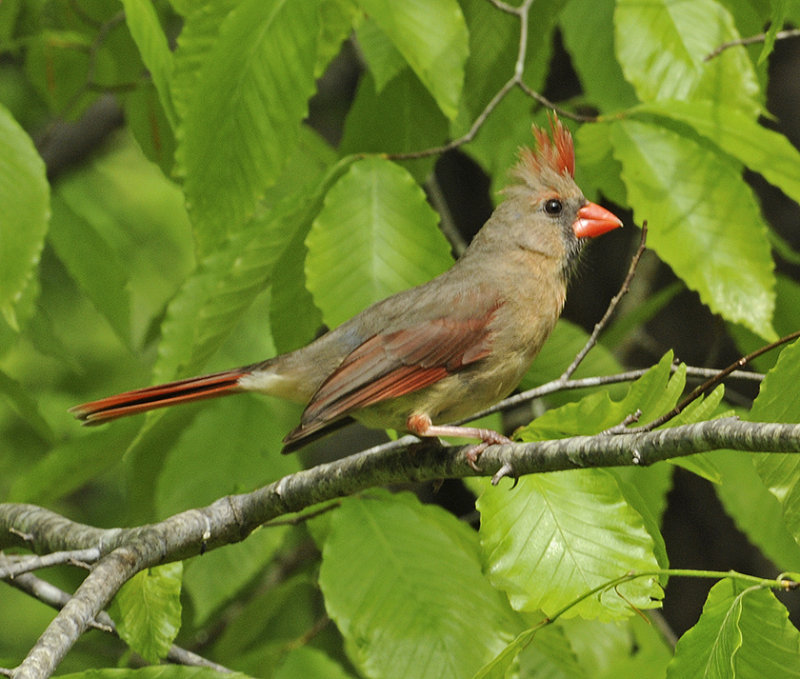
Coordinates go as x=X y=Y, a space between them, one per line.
x=553 y=206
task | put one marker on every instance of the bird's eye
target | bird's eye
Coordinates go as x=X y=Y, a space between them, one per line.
x=553 y=206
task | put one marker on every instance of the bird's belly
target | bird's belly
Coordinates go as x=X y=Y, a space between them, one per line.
x=453 y=398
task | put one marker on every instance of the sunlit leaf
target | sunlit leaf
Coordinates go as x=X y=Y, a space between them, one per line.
x=704 y=220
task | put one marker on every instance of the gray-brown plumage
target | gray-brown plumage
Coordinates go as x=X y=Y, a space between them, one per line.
x=441 y=351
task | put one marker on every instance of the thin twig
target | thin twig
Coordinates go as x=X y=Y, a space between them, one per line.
x=601 y=324
x=14 y=566
x=559 y=384
x=516 y=80
x=711 y=383
x=761 y=37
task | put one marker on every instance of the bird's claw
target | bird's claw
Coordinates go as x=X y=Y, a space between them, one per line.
x=505 y=470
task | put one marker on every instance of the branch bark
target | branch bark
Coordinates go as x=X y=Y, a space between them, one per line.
x=230 y=519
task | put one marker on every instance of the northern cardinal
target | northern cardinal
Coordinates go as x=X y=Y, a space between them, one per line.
x=438 y=352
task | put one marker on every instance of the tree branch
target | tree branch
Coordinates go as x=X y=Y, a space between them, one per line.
x=231 y=519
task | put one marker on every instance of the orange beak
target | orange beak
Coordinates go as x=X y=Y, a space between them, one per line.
x=594 y=221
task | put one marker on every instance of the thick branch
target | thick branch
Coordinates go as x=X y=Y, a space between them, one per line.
x=231 y=519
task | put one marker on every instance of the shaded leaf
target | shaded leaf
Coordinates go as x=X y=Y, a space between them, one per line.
x=92 y=262
x=145 y=28
x=595 y=60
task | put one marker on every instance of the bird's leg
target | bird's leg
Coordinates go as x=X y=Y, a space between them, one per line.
x=421 y=425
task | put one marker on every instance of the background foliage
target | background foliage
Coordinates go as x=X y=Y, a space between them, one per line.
x=189 y=186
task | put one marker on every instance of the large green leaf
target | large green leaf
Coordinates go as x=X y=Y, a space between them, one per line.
x=400 y=117
x=559 y=535
x=92 y=262
x=432 y=37
x=756 y=511
x=307 y=661
x=764 y=151
x=25 y=197
x=244 y=117
x=143 y=23
x=382 y=57
x=662 y=45
x=201 y=25
x=743 y=633
x=704 y=220
x=594 y=58
x=208 y=306
x=149 y=610
x=375 y=235
x=397 y=574
x=777 y=402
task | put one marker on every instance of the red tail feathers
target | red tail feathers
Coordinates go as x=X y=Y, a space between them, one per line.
x=150 y=398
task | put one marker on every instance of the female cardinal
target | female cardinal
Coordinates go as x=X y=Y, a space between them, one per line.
x=443 y=350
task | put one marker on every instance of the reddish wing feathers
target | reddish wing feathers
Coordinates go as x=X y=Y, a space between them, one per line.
x=394 y=364
x=149 y=398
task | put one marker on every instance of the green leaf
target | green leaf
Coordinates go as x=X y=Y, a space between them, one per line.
x=92 y=262
x=148 y=122
x=25 y=406
x=382 y=57
x=375 y=235
x=566 y=340
x=432 y=37
x=595 y=60
x=336 y=20
x=240 y=562
x=780 y=9
x=662 y=45
x=769 y=153
x=402 y=117
x=232 y=446
x=756 y=511
x=244 y=117
x=559 y=535
x=777 y=402
x=149 y=610
x=742 y=632
x=206 y=309
x=280 y=613
x=654 y=394
x=293 y=318
x=390 y=592
x=201 y=27
x=704 y=221
x=145 y=28
x=545 y=651
x=155 y=672
x=310 y=662
x=634 y=648
x=72 y=464
x=25 y=197
x=597 y=171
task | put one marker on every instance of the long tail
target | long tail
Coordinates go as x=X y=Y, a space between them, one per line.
x=160 y=396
